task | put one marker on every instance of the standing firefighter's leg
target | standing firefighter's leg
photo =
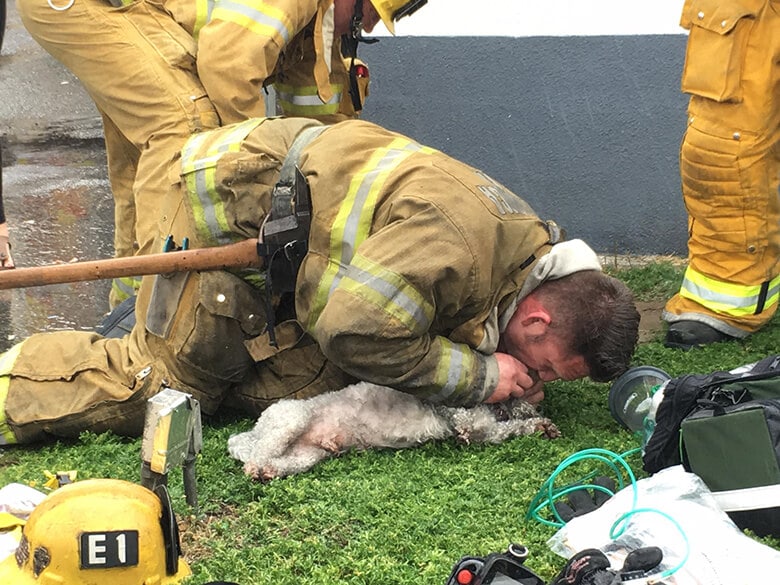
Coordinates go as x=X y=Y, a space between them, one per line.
x=122 y=167
x=730 y=167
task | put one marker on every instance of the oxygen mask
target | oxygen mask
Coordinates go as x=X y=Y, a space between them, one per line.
x=634 y=398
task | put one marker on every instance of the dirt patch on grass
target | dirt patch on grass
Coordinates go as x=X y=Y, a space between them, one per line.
x=650 y=324
x=199 y=534
x=637 y=261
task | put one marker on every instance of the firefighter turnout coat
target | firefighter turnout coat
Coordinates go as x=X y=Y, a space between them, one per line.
x=730 y=165
x=415 y=261
x=160 y=70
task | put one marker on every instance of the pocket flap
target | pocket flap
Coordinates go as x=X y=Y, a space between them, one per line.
x=288 y=334
x=236 y=300
x=718 y=16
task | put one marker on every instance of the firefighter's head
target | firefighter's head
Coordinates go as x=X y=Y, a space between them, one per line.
x=96 y=532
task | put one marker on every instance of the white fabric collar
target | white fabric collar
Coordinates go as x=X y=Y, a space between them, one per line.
x=563 y=259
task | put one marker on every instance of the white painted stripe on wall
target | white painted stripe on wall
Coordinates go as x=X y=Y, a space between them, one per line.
x=535 y=18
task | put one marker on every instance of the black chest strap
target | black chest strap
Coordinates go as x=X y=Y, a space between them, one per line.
x=284 y=235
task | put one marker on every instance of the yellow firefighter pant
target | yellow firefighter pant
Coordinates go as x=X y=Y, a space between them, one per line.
x=138 y=65
x=62 y=383
x=192 y=333
x=730 y=168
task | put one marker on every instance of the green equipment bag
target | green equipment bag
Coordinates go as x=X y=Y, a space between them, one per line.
x=725 y=428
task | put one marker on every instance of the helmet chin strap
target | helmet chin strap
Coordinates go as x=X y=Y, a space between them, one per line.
x=349 y=46
x=356 y=26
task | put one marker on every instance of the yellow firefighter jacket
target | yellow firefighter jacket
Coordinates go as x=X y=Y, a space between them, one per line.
x=413 y=256
x=416 y=262
x=243 y=46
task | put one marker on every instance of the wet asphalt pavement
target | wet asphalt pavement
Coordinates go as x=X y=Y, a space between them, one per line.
x=55 y=190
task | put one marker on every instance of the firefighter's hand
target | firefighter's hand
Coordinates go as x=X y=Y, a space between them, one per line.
x=515 y=380
x=6 y=259
x=592 y=567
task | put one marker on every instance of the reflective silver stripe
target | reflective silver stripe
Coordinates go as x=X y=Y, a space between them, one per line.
x=392 y=300
x=226 y=142
x=453 y=359
x=199 y=173
x=203 y=10
x=305 y=100
x=707 y=294
x=725 y=297
x=125 y=287
x=352 y=225
x=255 y=15
x=353 y=221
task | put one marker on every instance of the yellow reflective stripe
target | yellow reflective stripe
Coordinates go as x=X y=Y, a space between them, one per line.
x=125 y=287
x=203 y=10
x=353 y=220
x=255 y=16
x=203 y=149
x=7 y=361
x=390 y=292
x=253 y=278
x=293 y=110
x=306 y=100
x=725 y=297
x=455 y=363
x=198 y=162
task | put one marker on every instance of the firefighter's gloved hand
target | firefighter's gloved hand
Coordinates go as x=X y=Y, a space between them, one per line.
x=592 y=567
x=583 y=501
x=587 y=567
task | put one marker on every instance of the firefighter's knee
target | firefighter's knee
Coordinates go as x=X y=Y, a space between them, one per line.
x=204 y=319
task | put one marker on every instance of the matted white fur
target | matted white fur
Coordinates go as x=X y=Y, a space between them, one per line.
x=291 y=436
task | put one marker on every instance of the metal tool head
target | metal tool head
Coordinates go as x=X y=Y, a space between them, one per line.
x=172 y=430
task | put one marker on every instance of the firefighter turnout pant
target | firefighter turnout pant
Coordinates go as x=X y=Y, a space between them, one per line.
x=138 y=65
x=62 y=383
x=730 y=165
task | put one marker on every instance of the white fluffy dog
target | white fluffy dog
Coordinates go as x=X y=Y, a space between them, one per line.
x=291 y=436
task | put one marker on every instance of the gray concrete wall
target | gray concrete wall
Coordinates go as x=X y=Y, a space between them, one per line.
x=587 y=129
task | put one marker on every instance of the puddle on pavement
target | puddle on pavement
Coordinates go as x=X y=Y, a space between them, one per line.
x=59 y=207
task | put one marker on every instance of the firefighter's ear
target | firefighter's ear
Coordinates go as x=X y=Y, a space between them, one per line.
x=533 y=315
x=537 y=322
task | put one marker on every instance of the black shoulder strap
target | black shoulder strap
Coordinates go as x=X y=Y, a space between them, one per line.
x=284 y=235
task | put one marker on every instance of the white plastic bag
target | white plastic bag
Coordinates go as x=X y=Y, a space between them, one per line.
x=19 y=501
x=682 y=519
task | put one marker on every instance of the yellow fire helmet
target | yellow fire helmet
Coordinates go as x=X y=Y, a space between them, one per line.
x=391 y=10
x=99 y=532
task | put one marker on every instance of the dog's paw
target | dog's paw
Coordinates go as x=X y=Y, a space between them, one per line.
x=263 y=473
x=463 y=436
x=240 y=446
x=548 y=429
x=333 y=445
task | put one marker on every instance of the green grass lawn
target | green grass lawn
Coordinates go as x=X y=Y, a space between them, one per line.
x=386 y=517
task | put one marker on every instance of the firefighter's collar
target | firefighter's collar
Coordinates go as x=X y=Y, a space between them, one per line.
x=563 y=259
